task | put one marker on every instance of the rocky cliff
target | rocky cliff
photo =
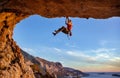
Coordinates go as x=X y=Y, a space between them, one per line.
x=13 y=11
x=46 y=69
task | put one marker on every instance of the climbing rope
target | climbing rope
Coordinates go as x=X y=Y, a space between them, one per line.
x=68 y=36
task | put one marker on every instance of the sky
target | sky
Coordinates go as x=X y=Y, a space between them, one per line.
x=93 y=47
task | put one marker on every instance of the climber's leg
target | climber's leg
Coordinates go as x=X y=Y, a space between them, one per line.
x=59 y=30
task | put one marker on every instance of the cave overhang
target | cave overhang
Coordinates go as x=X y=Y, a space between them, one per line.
x=61 y=8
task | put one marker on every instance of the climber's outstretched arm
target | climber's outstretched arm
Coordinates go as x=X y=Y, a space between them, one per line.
x=67 y=19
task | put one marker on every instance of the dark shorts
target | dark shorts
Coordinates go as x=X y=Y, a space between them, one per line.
x=65 y=30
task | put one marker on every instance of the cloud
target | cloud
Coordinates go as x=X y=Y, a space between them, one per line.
x=71 y=45
x=103 y=56
x=28 y=50
x=111 y=43
x=104 y=53
x=82 y=56
x=31 y=51
x=101 y=53
x=57 y=49
x=115 y=61
x=103 y=50
x=73 y=53
x=76 y=54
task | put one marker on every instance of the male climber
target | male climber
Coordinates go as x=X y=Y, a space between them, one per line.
x=66 y=30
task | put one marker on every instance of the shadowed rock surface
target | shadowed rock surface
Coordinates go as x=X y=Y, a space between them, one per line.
x=12 y=64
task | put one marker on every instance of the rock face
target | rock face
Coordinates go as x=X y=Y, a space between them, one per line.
x=59 y=8
x=13 y=11
x=11 y=60
x=46 y=69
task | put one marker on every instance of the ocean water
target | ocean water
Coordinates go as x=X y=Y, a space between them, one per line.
x=102 y=75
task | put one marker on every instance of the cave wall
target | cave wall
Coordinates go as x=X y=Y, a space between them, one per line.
x=11 y=60
x=12 y=63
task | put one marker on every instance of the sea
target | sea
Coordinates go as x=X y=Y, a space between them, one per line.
x=102 y=75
